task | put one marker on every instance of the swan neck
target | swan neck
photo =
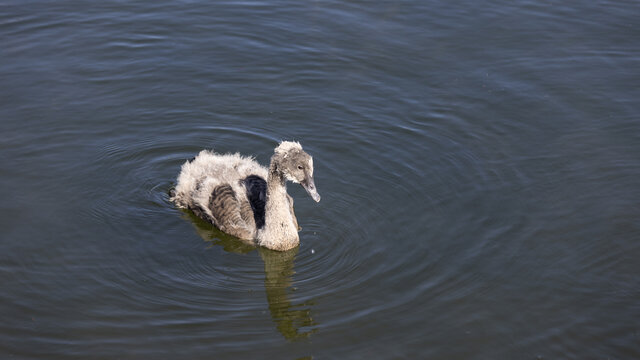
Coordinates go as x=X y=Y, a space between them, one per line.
x=279 y=232
x=275 y=178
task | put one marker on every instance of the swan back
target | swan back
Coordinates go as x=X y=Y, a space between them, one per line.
x=200 y=176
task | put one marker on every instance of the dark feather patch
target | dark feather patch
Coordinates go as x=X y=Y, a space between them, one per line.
x=257 y=194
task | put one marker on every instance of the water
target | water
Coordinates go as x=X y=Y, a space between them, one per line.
x=478 y=164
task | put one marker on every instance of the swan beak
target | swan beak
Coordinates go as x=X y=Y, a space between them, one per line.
x=310 y=186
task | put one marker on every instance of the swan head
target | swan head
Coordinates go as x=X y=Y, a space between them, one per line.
x=296 y=166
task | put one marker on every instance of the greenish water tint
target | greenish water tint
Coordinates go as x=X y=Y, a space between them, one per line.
x=478 y=164
x=293 y=321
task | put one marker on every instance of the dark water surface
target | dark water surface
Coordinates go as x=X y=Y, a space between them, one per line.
x=478 y=162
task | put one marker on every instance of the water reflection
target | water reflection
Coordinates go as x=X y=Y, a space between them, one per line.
x=290 y=318
x=293 y=321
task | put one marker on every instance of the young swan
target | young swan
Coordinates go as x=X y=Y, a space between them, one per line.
x=245 y=199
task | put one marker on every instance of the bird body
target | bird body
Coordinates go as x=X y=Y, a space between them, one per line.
x=243 y=198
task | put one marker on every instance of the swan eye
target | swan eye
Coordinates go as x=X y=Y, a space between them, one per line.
x=299 y=167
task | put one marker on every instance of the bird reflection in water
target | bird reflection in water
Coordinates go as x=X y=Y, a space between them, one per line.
x=293 y=321
x=290 y=318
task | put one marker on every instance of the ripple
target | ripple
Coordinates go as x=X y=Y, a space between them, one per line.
x=339 y=256
x=482 y=192
x=213 y=275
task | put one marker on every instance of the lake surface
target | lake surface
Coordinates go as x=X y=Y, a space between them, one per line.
x=478 y=162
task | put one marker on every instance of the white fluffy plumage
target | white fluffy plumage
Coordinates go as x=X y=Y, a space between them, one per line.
x=245 y=199
x=199 y=177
